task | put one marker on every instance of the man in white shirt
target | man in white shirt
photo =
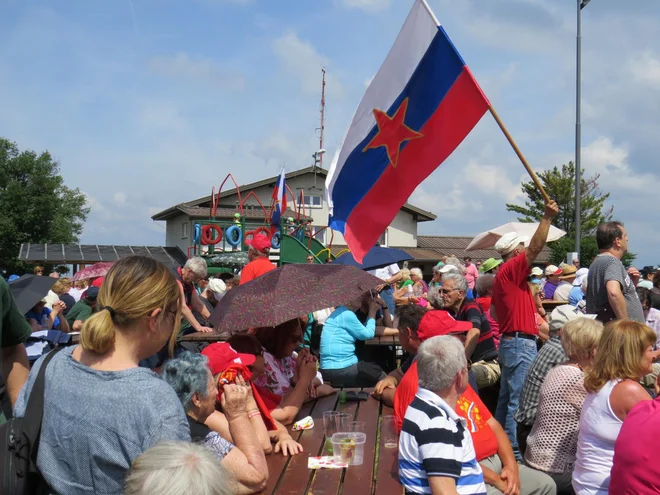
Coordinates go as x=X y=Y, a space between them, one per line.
x=436 y=453
x=390 y=275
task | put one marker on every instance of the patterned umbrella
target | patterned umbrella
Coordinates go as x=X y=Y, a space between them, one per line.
x=289 y=292
x=94 y=271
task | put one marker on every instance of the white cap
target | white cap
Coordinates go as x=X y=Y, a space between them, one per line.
x=537 y=272
x=552 y=270
x=509 y=242
x=565 y=313
x=217 y=286
x=448 y=268
x=580 y=276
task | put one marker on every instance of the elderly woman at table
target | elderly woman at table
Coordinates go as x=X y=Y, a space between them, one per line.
x=342 y=329
x=291 y=378
x=191 y=379
x=226 y=364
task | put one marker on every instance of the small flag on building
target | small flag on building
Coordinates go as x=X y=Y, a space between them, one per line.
x=279 y=196
x=419 y=107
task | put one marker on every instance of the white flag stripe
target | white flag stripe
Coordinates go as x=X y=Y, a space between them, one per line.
x=390 y=80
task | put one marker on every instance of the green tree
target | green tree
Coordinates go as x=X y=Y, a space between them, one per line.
x=559 y=183
x=36 y=206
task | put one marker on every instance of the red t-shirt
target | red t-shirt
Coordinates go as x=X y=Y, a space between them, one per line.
x=255 y=269
x=636 y=470
x=512 y=298
x=469 y=406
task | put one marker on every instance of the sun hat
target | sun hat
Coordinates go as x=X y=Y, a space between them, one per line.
x=217 y=286
x=565 y=313
x=489 y=264
x=448 y=268
x=537 y=272
x=581 y=276
x=439 y=322
x=221 y=355
x=259 y=242
x=509 y=242
x=552 y=270
x=568 y=271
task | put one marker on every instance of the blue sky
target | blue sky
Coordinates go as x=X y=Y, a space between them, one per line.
x=147 y=103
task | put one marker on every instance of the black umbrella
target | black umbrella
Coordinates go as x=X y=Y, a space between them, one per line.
x=377 y=257
x=289 y=292
x=29 y=290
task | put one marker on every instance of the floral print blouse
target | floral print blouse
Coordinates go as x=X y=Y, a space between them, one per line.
x=278 y=374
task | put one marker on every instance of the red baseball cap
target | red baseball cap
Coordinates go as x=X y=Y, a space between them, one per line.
x=221 y=355
x=259 y=242
x=438 y=322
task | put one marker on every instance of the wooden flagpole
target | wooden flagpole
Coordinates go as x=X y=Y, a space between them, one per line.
x=513 y=144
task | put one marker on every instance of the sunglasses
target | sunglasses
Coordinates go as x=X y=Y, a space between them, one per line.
x=296 y=339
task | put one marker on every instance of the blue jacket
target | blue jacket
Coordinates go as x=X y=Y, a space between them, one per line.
x=340 y=331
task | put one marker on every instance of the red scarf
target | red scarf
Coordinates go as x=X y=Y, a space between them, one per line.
x=230 y=374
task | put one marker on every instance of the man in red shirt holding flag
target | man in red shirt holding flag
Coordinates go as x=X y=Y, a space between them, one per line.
x=515 y=311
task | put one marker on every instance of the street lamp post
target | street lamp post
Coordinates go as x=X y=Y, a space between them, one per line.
x=578 y=126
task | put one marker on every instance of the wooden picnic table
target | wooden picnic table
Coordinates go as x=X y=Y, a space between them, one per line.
x=191 y=337
x=204 y=337
x=550 y=304
x=377 y=475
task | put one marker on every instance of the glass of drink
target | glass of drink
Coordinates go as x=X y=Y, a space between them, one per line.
x=330 y=426
x=355 y=426
x=388 y=432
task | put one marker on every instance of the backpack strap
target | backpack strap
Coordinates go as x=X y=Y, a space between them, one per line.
x=34 y=410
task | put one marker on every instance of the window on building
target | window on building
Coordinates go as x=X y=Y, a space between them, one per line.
x=313 y=201
x=319 y=234
x=184 y=230
x=382 y=240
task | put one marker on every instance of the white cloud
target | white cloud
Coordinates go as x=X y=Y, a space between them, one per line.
x=199 y=69
x=602 y=156
x=645 y=69
x=119 y=197
x=367 y=5
x=491 y=180
x=300 y=58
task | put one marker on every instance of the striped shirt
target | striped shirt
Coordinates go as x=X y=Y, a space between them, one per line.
x=434 y=441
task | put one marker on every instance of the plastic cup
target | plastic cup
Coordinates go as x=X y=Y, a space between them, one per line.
x=348 y=447
x=388 y=432
x=330 y=421
x=355 y=426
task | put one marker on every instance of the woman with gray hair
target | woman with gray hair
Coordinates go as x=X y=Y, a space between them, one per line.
x=552 y=443
x=191 y=379
x=177 y=468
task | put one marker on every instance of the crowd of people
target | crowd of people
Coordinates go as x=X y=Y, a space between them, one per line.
x=493 y=394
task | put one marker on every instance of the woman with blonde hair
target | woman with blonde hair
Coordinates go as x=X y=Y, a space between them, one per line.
x=624 y=356
x=552 y=443
x=99 y=406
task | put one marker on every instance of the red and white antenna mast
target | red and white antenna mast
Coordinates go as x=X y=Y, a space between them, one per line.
x=322 y=128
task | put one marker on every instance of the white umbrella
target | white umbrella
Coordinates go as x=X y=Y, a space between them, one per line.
x=489 y=238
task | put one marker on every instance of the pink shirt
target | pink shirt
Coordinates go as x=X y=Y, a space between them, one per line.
x=636 y=470
x=471 y=275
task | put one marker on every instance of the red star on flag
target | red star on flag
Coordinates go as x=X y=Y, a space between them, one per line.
x=392 y=132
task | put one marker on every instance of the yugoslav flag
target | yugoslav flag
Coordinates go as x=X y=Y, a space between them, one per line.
x=279 y=195
x=419 y=107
